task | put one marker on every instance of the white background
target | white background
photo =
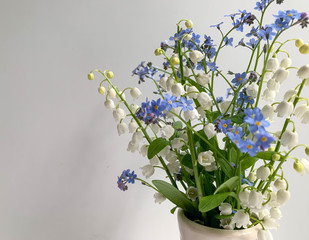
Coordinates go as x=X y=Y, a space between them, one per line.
x=60 y=152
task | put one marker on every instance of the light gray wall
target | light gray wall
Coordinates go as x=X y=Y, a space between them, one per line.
x=60 y=152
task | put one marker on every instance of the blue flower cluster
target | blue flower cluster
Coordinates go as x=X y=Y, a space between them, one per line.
x=144 y=71
x=244 y=98
x=190 y=44
x=239 y=78
x=256 y=126
x=126 y=177
x=149 y=112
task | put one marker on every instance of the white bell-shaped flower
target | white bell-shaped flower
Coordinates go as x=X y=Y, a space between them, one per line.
x=305 y=118
x=135 y=93
x=122 y=95
x=159 y=198
x=275 y=213
x=263 y=173
x=155 y=127
x=305 y=163
x=268 y=75
x=186 y=70
x=227 y=224
x=212 y=167
x=241 y=219
x=177 y=143
x=204 y=99
x=255 y=200
x=268 y=112
x=286 y=62
x=303 y=72
x=270 y=223
x=109 y=104
x=122 y=128
x=206 y=158
x=177 y=89
x=280 y=183
x=111 y=93
x=225 y=106
x=300 y=111
x=264 y=235
x=154 y=161
x=162 y=82
x=191 y=115
x=119 y=114
x=192 y=92
x=252 y=176
x=169 y=83
x=289 y=139
x=203 y=79
x=201 y=111
x=167 y=131
x=134 y=107
x=210 y=131
x=147 y=170
x=192 y=193
x=290 y=95
x=272 y=64
x=244 y=197
x=132 y=147
x=132 y=127
x=164 y=151
x=269 y=95
x=144 y=150
x=174 y=167
x=171 y=157
x=273 y=85
x=252 y=90
x=281 y=75
x=225 y=209
x=284 y=109
x=196 y=56
x=283 y=196
x=137 y=137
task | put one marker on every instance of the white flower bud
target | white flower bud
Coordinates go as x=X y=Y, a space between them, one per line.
x=171 y=157
x=102 y=90
x=162 y=83
x=137 y=137
x=191 y=115
x=263 y=173
x=206 y=158
x=252 y=176
x=147 y=170
x=188 y=37
x=255 y=200
x=225 y=209
x=290 y=95
x=144 y=150
x=210 y=131
x=189 y=24
x=203 y=79
x=264 y=235
x=303 y=72
x=286 y=62
x=159 y=198
x=135 y=93
x=273 y=85
x=196 y=56
x=109 y=104
x=178 y=90
x=119 y=114
x=269 y=95
x=268 y=112
x=275 y=213
x=177 y=143
x=305 y=164
x=205 y=100
x=132 y=147
x=284 y=109
x=281 y=75
x=169 y=83
x=122 y=128
x=192 y=92
x=167 y=131
x=283 y=196
x=186 y=71
x=111 y=93
x=280 y=183
x=241 y=219
x=192 y=193
x=289 y=139
x=252 y=90
x=272 y=64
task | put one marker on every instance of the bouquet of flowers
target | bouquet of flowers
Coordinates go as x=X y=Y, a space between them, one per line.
x=223 y=166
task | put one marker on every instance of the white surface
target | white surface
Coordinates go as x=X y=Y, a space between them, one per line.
x=60 y=152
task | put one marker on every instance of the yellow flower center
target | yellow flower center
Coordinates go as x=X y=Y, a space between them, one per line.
x=264 y=139
x=290 y=14
x=236 y=132
x=258 y=123
x=249 y=146
x=225 y=125
x=239 y=79
x=169 y=101
x=235 y=141
x=156 y=107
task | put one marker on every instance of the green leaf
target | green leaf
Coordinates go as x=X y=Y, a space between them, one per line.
x=226 y=167
x=267 y=155
x=156 y=146
x=232 y=155
x=247 y=162
x=187 y=161
x=174 y=195
x=228 y=185
x=239 y=118
x=210 y=202
x=173 y=210
x=212 y=116
x=177 y=125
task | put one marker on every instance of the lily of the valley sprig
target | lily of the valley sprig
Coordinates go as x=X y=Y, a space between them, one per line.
x=223 y=165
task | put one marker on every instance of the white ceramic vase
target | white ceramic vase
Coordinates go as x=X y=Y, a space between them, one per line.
x=190 y=230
